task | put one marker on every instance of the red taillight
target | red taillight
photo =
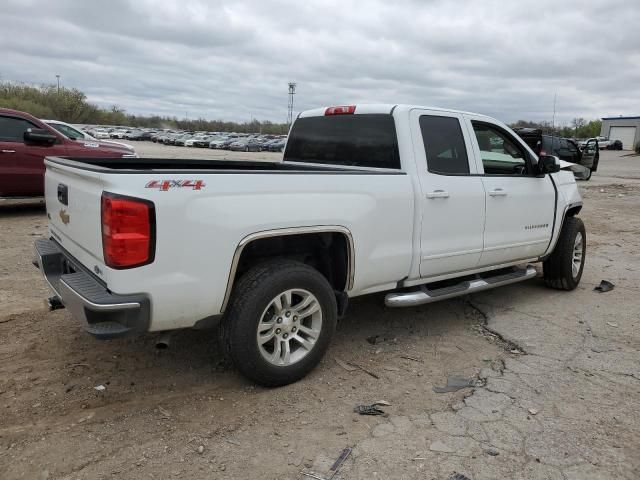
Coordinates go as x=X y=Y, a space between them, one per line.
x=542 y=153
x=128 y=231
x=341 y=110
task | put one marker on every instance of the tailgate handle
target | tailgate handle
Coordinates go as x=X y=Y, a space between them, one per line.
x=63 y=194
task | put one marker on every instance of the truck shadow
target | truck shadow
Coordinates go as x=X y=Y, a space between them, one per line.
x=15 y=208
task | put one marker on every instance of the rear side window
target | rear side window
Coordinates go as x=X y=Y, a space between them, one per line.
x=444 y=145
x=12 y=129
x=367 y=140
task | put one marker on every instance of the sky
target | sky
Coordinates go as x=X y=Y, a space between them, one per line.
x=232 y=60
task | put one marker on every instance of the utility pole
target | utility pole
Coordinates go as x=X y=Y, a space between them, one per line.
x=553 y=120
x=58 y=79
x=292 y=92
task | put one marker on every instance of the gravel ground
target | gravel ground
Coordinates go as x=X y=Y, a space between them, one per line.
x=557 y=396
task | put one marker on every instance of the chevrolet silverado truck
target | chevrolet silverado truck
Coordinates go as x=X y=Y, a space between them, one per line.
x=422 y=203
x=25 y=141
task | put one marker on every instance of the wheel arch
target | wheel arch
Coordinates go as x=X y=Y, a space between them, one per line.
x=273 y=244
x=570 y=210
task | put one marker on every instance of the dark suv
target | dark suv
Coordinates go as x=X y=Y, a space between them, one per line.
x=564 y=148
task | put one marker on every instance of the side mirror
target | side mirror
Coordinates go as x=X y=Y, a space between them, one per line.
x=39 y=136
x=548 y=164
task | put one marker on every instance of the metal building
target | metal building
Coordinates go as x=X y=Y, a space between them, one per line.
x=625 y=129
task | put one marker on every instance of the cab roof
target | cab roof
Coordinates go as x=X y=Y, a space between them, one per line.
x=379 y=108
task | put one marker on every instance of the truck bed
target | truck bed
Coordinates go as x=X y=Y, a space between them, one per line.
x=167 y=165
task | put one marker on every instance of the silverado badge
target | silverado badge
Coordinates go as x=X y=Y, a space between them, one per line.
x=64 y=216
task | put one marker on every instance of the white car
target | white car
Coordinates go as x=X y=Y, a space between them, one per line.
x=424 y=204
x=216 y=144
x=100 y=133
x=74 y=133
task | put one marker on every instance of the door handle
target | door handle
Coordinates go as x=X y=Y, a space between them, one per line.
x=438 y=194
x=498 y=192
x=8 y=151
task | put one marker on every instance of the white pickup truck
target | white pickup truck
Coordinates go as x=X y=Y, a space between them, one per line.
x=423 y=203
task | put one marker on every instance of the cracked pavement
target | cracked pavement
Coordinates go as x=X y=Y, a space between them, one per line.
x=568 y=408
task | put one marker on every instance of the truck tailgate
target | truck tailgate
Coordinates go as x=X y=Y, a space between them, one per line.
x=73 y=207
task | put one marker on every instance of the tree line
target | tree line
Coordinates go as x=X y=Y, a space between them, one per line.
x=70 y=105
x=578 y=128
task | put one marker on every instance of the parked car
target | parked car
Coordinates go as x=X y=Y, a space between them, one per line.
x=181 y=140
x=246 y=145
x=25 y=141
x=264 y=146
x=118 y=133
x=203 y=142
x=615 y=145
x=226 y=145
x=277 y=145
x=74 y=133
x=603 y=142
x=100 y=133
x=217 y=144
x=197 y=141
x=564 y=148
x=430 y=224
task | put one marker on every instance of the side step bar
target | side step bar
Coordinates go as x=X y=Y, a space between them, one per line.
x=424 y=295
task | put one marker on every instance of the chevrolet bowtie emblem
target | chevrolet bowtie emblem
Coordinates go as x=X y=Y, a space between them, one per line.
x=64 y=216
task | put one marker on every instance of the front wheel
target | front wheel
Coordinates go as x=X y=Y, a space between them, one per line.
x=280 y=321
x=588 y=177
x=563 y=269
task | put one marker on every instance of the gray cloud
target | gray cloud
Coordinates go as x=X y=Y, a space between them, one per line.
x=232 y=60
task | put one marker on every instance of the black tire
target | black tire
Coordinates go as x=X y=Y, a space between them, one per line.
x=588 y=177
x=558 y=268
x=251 y=296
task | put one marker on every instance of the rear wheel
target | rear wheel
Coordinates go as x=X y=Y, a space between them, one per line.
x=279 y=323
x=563 y=269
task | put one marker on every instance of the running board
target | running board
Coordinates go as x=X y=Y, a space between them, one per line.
x=424 y=295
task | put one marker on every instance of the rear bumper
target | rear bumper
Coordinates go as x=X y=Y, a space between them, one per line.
x=105 y=314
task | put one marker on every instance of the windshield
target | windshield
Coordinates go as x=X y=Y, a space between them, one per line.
x=68 y=131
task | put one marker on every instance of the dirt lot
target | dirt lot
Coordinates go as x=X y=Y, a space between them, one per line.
x=559 y=399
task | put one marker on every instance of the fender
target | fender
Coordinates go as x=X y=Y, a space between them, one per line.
x=554 y=240
x=290 y=231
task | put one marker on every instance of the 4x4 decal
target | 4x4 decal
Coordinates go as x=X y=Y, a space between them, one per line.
x=165 y=185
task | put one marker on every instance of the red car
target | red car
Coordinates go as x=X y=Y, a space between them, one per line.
x=24 y=143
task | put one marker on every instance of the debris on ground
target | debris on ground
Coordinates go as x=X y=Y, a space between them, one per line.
x=492 y=451
x=334 y=468
x=368 y=372
x=373 y=339
x=414 y=359
x=100 y=388
x=345 y=365
x=382 y=403
x=458 y=476
x=533 y=411
x=338 y=463
x=455 y=383
x=611 y=324
x=201 y=449
x=605 y=286
x=368 y=409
